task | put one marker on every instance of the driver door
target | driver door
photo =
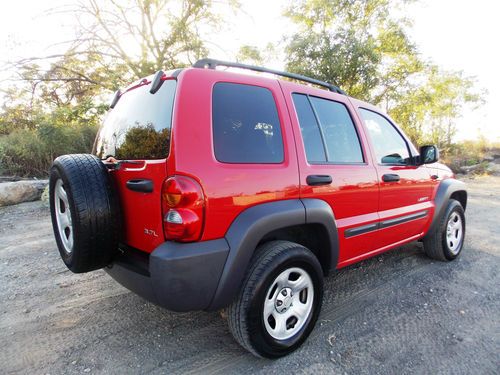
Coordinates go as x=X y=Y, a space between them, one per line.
x=405 y=204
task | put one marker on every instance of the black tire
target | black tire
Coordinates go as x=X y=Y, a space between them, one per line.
x=246 y=313
x=93 y=211
x=436 y=245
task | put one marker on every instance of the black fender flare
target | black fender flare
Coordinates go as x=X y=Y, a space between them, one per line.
x=250 y=226
x=444 y=192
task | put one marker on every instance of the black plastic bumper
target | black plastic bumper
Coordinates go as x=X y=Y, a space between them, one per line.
x=177 y=276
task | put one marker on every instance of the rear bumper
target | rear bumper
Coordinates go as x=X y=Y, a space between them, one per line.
x=177 y=276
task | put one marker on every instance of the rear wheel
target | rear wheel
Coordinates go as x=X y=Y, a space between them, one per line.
x=447 y=240
x=84 y=212
x=280 y=300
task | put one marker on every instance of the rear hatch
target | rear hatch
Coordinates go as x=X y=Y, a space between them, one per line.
x=136 y=133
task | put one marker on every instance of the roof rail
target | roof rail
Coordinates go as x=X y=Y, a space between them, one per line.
x=212 y=64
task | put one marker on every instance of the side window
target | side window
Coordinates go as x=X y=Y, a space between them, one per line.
x=339 y=133
x=309 y=128
x=246 y=125
x=390 y=147
x=328 y=131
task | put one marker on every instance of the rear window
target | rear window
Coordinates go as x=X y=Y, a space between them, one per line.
x=139 y=125
x=246 y=125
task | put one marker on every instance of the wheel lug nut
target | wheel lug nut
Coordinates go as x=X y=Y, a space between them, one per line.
x=283 y=292
x=279 y=303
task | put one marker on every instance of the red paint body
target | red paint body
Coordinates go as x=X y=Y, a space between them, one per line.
x=357 y=195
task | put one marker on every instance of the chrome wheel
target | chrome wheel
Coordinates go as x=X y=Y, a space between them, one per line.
x=288 y=303
x=63 y=216
x=454 y=233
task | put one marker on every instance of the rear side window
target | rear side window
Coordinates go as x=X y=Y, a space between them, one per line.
x=328 y=131
x=246 y=125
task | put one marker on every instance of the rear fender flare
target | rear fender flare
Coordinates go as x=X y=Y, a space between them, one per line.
x=250 y=226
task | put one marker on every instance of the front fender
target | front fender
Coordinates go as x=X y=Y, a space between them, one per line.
x=444 y=192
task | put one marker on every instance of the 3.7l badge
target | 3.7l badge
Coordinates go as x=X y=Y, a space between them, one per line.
x=150 y=232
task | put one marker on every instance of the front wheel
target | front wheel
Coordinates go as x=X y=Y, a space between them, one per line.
x=280 y=300
x=447 y=240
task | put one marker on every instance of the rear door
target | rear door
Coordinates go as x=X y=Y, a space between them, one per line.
x=335 y=165
x=137 y=134
x=405 y=205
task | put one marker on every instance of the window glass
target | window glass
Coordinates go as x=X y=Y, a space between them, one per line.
x=339 y=134
x=246 y=125
x=311 y=135
x=390 y=147
x=139 y=126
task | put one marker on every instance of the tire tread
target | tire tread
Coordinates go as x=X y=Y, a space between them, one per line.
x=265 y=255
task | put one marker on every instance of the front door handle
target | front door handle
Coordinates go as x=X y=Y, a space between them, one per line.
x=141 y=186
x=318 y=179
x=390 y=177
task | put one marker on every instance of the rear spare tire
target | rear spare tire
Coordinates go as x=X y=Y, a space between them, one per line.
x=84 y=211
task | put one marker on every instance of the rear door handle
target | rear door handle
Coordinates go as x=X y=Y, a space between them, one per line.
x=141 y=186
x=390 y=177
x=318 y=179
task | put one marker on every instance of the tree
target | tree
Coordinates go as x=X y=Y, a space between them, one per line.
x=355 y=44
x=60 y=99
x=147 y=35
x=362 y=47
x=250 y=55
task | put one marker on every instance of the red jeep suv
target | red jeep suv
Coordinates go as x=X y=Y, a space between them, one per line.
x=211 y=189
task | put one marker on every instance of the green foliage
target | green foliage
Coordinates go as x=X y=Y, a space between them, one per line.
x=144 y=142
x=148 y=35
x=57 y=102
x=361 y=46
x=428 y=111
x=250 y=55
x=355 y=44
x=26 y=152
x=322 y=55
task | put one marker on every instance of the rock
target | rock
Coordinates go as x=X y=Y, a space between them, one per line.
x=45 y=196
x=9 y=178
x=21 y=191
x=470 y=168
x=493 y=169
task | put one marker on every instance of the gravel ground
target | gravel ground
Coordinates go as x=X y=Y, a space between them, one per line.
x=396 y=313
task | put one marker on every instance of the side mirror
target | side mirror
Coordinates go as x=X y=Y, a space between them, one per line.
x=428 y=154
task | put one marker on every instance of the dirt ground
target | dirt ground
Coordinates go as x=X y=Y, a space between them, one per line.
x=397 y=313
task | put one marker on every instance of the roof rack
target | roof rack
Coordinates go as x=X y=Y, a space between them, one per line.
x=212 y=64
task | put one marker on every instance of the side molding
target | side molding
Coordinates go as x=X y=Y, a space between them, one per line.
x=445 y=190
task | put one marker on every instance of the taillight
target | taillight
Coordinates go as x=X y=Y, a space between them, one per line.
x=183 y=204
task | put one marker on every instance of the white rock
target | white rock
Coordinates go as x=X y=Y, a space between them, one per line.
x=493 y=169
x=21 y=191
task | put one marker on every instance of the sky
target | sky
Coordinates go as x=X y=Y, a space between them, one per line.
x=455 y=34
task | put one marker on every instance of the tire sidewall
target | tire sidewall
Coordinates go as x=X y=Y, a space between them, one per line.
x=56 y=173
x=453 y=206
x=260 y=338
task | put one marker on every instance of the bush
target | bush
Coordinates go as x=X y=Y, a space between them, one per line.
x=30 y=152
